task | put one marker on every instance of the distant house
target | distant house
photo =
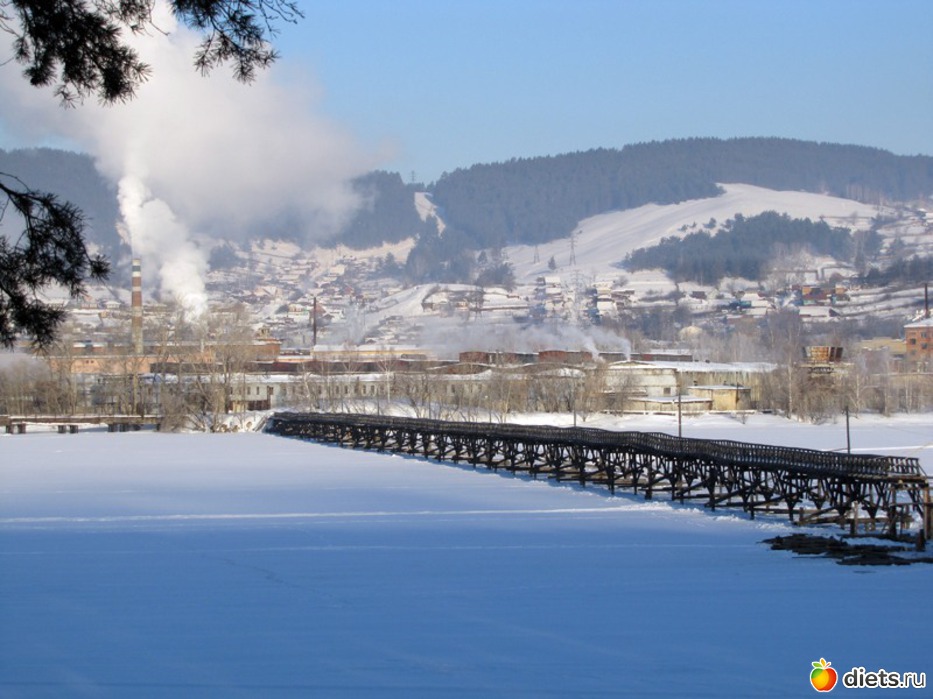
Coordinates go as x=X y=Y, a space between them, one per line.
x=919 y=339
x=724 y=397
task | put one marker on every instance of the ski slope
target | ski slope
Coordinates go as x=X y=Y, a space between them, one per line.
x=602 y=242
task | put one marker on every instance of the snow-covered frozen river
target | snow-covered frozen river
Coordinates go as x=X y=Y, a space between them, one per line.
x=247 y=565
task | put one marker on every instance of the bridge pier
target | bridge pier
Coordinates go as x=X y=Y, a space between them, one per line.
x=927 y=514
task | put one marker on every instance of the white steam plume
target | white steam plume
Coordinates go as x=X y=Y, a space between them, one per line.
x=159 y=236
x=480 y=334
x=228 y=159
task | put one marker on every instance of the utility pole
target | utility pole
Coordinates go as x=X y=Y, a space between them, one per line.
x=680 y=418
x=848 y=435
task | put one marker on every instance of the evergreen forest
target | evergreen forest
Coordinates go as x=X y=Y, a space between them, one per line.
x=742 y=247
x=534 y=200
x=71 y=177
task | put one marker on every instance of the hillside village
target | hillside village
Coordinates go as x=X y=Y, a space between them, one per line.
x=280 y=282
x=328 y=328
x=355 y=303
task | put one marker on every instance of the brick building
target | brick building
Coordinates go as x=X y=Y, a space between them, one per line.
x=919 y=339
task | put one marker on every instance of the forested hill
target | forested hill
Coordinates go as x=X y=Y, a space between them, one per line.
x=388 y=214
x=538 y=199
x=71 y=177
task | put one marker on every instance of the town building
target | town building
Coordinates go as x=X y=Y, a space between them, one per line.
x=918 y=337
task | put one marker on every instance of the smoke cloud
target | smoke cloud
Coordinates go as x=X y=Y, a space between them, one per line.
x=480 y=334
x=197 y=156
x=158 y=235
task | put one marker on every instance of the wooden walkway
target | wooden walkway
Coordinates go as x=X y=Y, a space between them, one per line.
x=878 y=494
x=17 y=424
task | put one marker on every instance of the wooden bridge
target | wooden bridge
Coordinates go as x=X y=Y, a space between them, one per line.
x=880 y=494
x=17 y=424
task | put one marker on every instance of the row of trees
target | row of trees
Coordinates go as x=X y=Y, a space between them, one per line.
x=915 y=269
x=190 y=374
x=193 y=390
x=491 y=395
x=869 y=384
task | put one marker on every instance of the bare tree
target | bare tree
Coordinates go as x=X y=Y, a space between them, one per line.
x=593 y=389
x=227 y=341
x=21 y=384
x=784 y=335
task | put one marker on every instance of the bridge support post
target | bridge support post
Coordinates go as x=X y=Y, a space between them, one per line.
x=928 y=513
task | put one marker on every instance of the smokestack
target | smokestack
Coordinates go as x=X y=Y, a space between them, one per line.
x=137 y=307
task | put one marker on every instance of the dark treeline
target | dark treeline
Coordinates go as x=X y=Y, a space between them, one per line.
x=534 y=200
x=743 y=247
x=912 y=270
x=388 y=214
x=539 y=199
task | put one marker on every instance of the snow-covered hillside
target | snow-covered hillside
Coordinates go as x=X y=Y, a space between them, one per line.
x=601 y=242
x=426 y=207
x=588 y=265
x=361 y=304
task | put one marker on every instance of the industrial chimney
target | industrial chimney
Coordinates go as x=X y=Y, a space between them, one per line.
x=137 y=307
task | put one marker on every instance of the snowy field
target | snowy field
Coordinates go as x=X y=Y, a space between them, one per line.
x=247 y=565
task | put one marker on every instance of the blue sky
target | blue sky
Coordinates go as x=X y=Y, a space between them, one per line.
x=433 y=85
x=451 y=83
